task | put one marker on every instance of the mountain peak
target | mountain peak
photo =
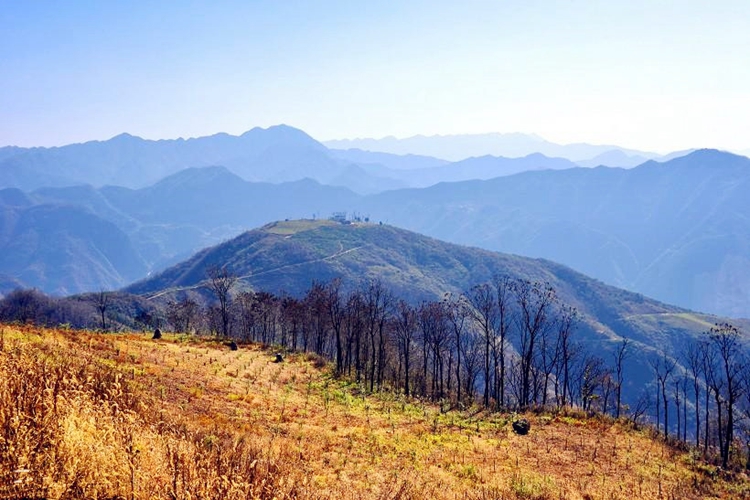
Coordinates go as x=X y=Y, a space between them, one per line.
x=282 y=134
x=124 y=137
x=200 y=175
x=711 y=153
x=713 y=158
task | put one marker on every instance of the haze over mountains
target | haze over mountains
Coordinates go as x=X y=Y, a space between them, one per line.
x=675 y=230
x=459 y=147
x=282 y=153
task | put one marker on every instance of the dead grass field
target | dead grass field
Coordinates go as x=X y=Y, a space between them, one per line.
x=87 y=415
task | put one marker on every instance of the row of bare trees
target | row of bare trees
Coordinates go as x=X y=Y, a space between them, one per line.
x=89 y=311
x=711 y=385
x=508 y=343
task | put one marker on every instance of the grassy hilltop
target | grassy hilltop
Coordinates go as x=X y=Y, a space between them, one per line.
x=121 y=416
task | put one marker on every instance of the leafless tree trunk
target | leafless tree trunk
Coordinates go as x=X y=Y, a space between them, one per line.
x=621 y=354
x=534 y=302
x=406 y=327
x=663 y=367
x=221 y=281
x=102 y=303
x=728 y=381
x=482 y=300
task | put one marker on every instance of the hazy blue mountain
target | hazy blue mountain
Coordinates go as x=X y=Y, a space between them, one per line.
x=11 y=197
x=8 y=151
x=460 y=147
x=678 y=231
x=614 y=158
x=359 y=179
x=198 y=207
x=281 y=154
x=8 y=284
x=422 y=171
x=63 y=249
x=387 y=160
x=53 y=238
x=481 y=168
x=674 y=155
x=213 y=196
x=276 y=154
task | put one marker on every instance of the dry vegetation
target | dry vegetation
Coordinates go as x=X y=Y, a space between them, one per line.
x=121 y=416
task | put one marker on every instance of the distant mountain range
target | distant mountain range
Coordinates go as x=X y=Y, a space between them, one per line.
x=277 y=154
x=514 y=145
x=675 y=229
x=678 y=231
x=283 y=154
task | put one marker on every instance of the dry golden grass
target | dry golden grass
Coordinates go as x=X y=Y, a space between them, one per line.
x=121 y=416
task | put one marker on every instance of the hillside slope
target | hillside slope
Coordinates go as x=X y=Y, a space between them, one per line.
x=186 y=418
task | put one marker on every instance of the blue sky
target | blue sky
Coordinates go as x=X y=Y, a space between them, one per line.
x=653 y=75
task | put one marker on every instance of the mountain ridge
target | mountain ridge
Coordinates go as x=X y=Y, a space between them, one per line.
x=633 y=216
x=456 y=147
x=673 y=230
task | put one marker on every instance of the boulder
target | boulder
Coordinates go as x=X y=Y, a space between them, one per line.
x=521 y=426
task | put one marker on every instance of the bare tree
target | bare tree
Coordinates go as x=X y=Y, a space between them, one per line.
x=457 y=310
x=565 y=325
x=24 y=305
x=336 y=315
x=471 y=352
x=589 y=376
x=621 y=354
x=181 y=315
x=534 y=301
x=484 y=313
x=355 y=328
x=378 y=303
x=503 y=291
x=640 y=407
x=693 y=357
x=102 y=303
x=244 y=304
x=677 y=396
x=220 y=281
x=724 y=340
x=406 y=328
x=663 y=367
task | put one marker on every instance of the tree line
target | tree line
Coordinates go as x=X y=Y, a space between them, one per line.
x=709 y=382
x=508 y=344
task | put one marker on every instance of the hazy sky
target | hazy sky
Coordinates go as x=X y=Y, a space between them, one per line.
x=654 y=75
